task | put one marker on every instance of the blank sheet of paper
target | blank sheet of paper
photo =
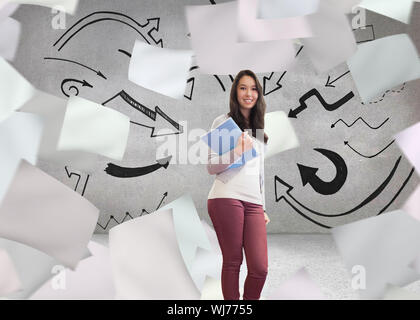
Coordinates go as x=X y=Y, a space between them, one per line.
x=217 y=49
x=399 y=10
x=9 y=278
x=93 y=128
x=16 y=144
x=43 y=213
x=384 y=246
x=15 y=90
x=252 y=29
x=146 y=261
x=9 y=38
x=408 y=142
x=276 y=9
x=281 y=133
x=162 y=70
x=382 y=64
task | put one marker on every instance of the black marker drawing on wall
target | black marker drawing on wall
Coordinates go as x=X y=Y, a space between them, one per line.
x=151 y=26
x=273 y=84
x=219 y=80
x=369 y=157
x=125 y=172
x=330 y=83
x=362 y=32
x=190 y=88
x=399 y=191
x=69 y=89
x=282 y=188
x=98 y=72
x=79 y=176
x=128 y=215
x=361 y=119
x=308 y=174
x=149 y=113
x=387 y=92
x=329 y=107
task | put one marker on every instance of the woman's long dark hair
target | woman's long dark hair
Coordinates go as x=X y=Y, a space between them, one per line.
x=256 y=117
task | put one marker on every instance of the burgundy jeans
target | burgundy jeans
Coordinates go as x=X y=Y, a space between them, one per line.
x=240 y=224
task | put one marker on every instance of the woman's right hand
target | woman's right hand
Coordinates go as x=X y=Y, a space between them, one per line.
x=244 y=144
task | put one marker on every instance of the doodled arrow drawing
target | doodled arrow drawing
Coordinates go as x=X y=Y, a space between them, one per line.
x=128 y=215
x=327 y=106
x=360 y=118
x=279 y=182
x=147 y=112
x=124 y=172
x=372 y=156
x=84 y=83
x=99 y=16
x=308 y=174
x=277 y=83
x=329 y=84
x=99 y=73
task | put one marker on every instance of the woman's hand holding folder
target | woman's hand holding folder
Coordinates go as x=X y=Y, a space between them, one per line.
x=244 y=144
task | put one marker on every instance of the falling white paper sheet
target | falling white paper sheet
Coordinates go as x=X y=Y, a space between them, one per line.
x=92 y=279
x=52 y=110
x=395 y=9
x=9 y=279
x=91 y=127
x=162 y=70
x=384 y=246
x=20 y=137
x=412 y=205
x=334 y=42
x=408 y=142
x=216 y=47
x=383 y=64
x=281 y=133
x=189 y=229
x=299 y=286
x=6 y=10
x=252 y=29
x=9 y=38
x=277 y=9
x=146 y=261
x=33 y=267
x=397 y=293
x=68 y=6
x=15 y=90
x=43 y=213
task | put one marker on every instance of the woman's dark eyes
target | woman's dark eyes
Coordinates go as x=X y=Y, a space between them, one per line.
x=252 y=88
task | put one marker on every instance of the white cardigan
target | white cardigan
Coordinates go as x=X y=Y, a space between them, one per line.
x=218 y=167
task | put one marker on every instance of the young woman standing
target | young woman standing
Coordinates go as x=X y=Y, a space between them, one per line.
x=236 y=201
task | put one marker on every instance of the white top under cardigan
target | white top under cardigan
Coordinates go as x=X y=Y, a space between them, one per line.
x=244 y=183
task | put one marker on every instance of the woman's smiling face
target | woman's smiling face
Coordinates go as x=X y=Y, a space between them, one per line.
x=247 y=92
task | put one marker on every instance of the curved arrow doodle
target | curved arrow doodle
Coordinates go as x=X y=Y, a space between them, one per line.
x=360 y=118
x=372 y=156
x=371 y=197
x=124 y=172
x=399 y=191
x=99 y=73
x=327 y=106
x=84 y=83
x=308 y=174
x=128 y=215
x=90 y=19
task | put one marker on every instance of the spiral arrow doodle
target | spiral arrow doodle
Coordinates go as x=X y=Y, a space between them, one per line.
x=308 y=174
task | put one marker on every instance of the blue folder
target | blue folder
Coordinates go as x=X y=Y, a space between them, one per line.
x=224 y=138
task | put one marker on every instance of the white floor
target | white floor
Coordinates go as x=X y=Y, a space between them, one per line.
x=287 y=253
